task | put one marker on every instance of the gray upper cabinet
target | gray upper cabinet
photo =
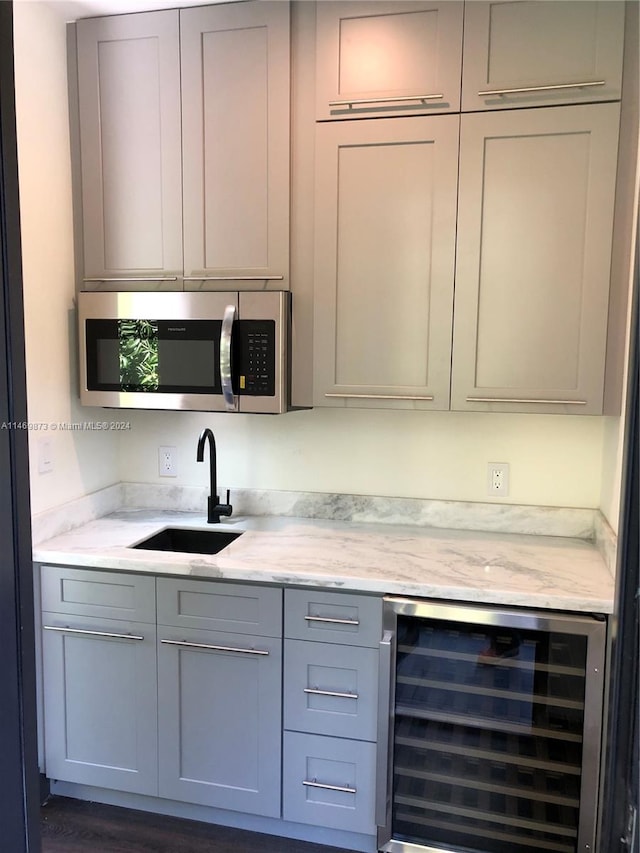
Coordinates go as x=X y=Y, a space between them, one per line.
x=130 y=147
x=534 y=251
x=532 y=53
x=385 y=218
x=388 y=58
x=235 y=126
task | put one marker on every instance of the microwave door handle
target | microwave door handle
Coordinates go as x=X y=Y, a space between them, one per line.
x=225 y=358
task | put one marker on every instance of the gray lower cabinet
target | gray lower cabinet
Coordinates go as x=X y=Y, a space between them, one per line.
x=330 y=782
x=331 y=663
x=100 y=702
x=220 y=696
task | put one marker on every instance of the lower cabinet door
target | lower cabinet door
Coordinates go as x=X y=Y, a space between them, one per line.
x=100 y=702
x=329 y=782
x=219 y=720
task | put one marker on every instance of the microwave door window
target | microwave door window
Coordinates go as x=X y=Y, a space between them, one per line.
x=138 y=355
x=156 y=356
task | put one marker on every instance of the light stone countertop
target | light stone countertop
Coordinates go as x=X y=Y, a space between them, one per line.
x=489 y=568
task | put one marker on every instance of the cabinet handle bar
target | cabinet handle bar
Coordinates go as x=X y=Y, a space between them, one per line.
x=94 y=633
x=317 y=692
x=525 y=400
x=404 y=98
x=332 y=620
x=233 y=278
x=134 y=278
x=210 y=648
x=553 y=88
x=344 y=788
x=381 y=396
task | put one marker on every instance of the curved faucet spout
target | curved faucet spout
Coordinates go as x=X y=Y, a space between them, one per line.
x=214 y=508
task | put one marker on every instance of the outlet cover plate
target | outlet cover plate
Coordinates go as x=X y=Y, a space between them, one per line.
x=167 y=461
x=498 y=479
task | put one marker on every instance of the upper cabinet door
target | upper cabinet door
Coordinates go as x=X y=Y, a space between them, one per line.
x=533 y=262
x=388 y=58
x=235 y=114
x=384 y=262
x=536 y=52
x=129 y=117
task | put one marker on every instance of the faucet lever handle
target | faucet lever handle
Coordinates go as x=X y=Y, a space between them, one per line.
x=228 y=495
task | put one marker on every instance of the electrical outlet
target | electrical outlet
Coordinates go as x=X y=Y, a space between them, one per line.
x=498 y=478
x=167 y=461
x=45 y=456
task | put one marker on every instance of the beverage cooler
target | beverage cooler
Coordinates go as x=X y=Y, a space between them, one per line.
x=493 y=728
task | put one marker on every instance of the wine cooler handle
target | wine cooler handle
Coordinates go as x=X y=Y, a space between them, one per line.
x=384 y=719
x=225 y=358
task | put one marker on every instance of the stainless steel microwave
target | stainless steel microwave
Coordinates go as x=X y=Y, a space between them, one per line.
x=198 y=351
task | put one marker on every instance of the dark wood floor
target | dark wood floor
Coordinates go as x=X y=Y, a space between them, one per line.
x=73 y=826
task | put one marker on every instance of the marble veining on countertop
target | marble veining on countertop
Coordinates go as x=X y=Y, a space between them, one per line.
x=475 y=566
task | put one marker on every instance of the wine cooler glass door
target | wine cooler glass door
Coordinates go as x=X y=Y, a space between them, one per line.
x=496 y=733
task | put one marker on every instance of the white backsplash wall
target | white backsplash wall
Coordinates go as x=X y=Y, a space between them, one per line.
x=82 y=460
x=554 y=460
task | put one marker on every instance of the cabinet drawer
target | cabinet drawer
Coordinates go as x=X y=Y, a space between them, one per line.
x=329 y=782
x=106 y=595
x=331 y=689
x=214 y=606
x=333 y=617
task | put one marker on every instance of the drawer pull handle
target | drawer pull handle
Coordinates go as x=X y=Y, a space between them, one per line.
x=210 y=648
x=344 y=789
x=317 y=692
x=331 y=620
x=233 y=278
x=83 y=631
x=133 y=278
x=358 y=102
x=419 y=397
x=553 y=88
x=524 y=400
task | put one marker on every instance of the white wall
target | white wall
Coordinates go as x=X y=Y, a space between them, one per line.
x=554 y=460
x=82 y=461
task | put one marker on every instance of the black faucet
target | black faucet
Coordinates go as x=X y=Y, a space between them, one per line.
x=214 y=508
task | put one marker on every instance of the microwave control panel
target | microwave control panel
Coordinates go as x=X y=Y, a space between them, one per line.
x=257 y=358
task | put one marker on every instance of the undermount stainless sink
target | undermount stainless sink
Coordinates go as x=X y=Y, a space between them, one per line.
x=188 y=541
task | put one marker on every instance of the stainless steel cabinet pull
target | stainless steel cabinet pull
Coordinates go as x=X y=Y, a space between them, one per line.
x=525 y=89
x=135 y=278
x=225 y=357
x=426 y=397
x=331 y=620
x=317 y=692
x=233 y=278
x=313 y=784
x=210 y=648
x=525 y=400
x=349 y=102
x=94 y=633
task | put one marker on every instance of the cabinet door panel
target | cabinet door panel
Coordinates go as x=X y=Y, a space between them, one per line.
x=211 y=606
x=333 y=617
x=129 y=110
x=340 y=777
x=108 y=595
x=534 y=252
x=235 y=110
x=331 y=689
x=541 y=45
x=389 y=55
x=385 y=242
x=100 y=702
x=219 y=720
